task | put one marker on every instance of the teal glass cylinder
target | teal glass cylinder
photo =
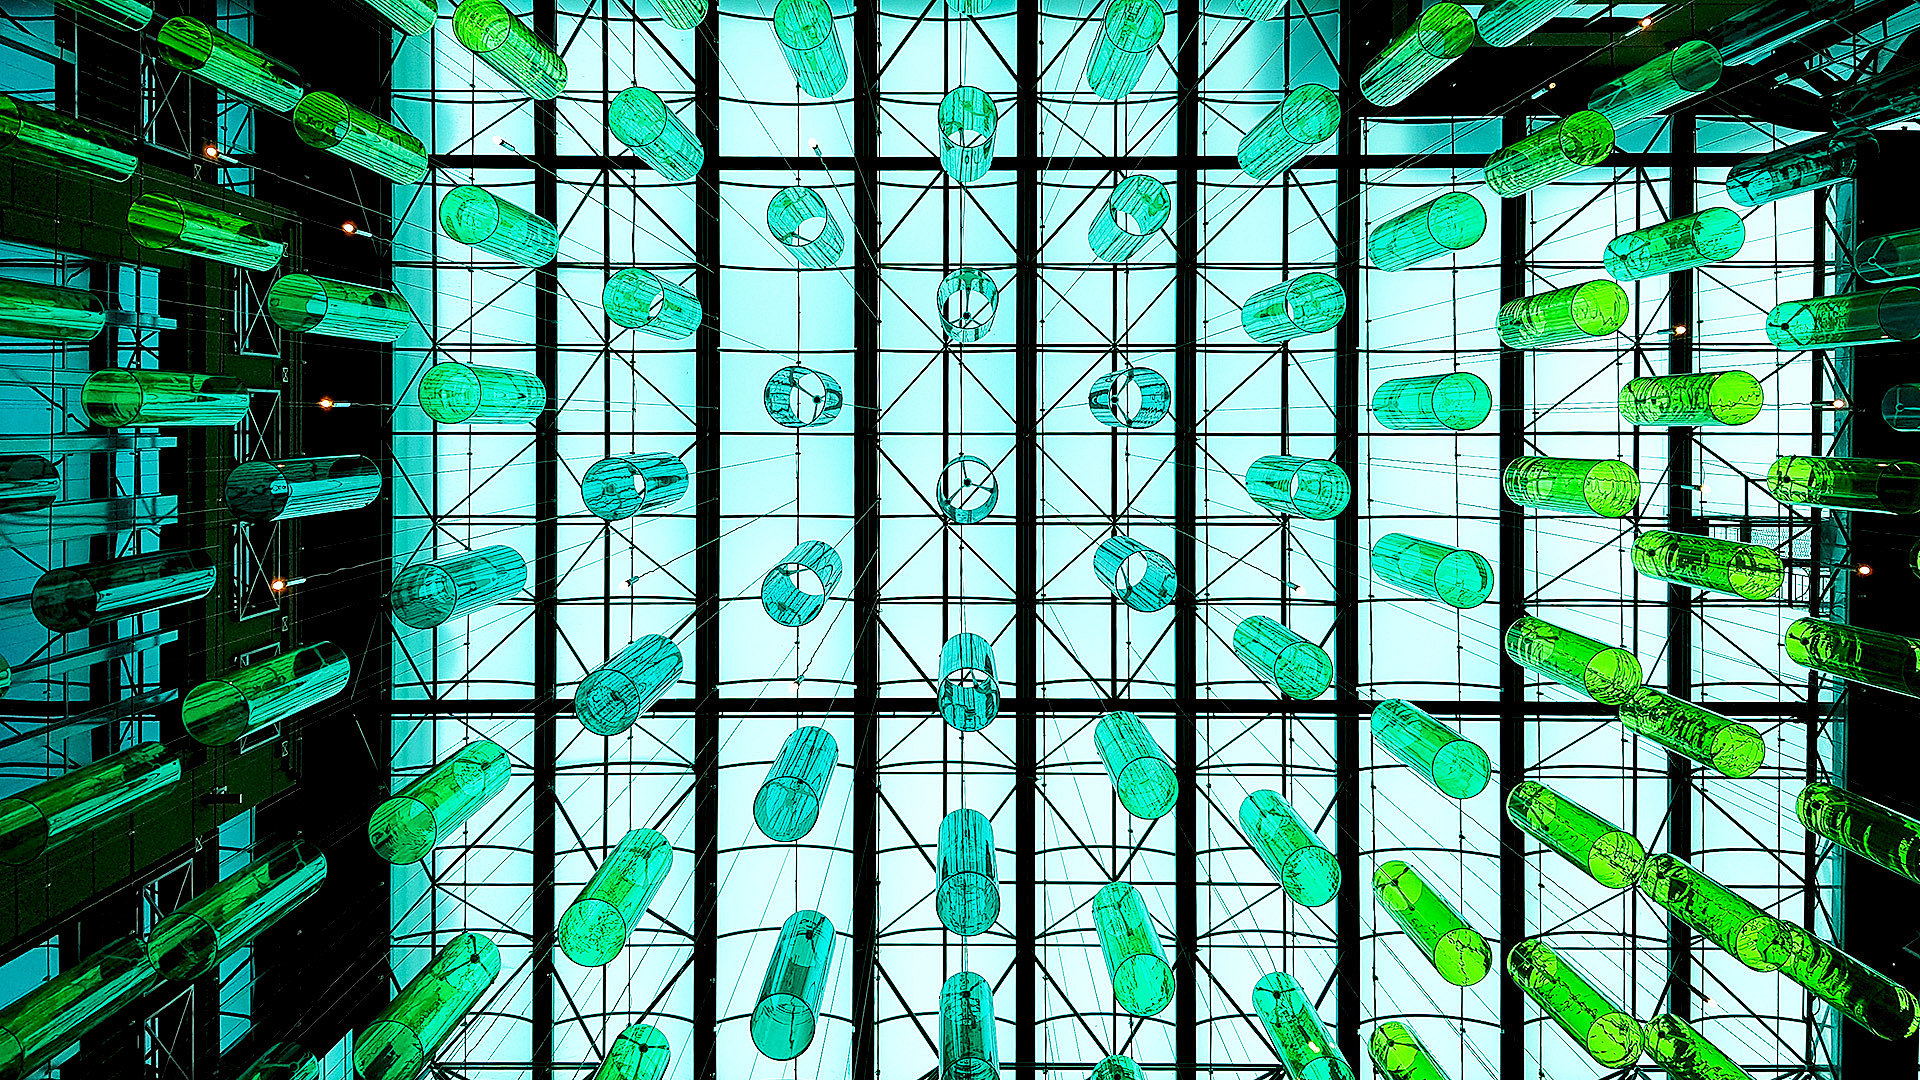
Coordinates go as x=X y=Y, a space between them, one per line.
x=1450 y=222
x=1137 y=576
x=967 y=890
x=1129 y=32
x=639 y=1052
x=165 y=223
x=211 y=927
x=1299 y=862
x=1451 y=575
x=1143 y=981
x=1296 y=667
x=1716 y=399
x=597 y=924
x=1728 y=747
x=1560 y=149
x=261 y=491
x=423 y=1015
x=643 y=123
x=452 y=392
x=798 y=397
x=798 y=217
x=1399 y=1054
x=1439 y=36
x=642 y=300
x=1704 y=562
x=406 y=827
x=224 y=710
x=230 y=64
x=305 y=304
x=1900 y=407
x=119 y=14
x=56 y=141
x=620 y=487
x=788 y=597
x=788 y=803
x=38 y=818
x=1510 y=21
x=966 y=491
x=1599 y=487
x=1864 y=485
x=327 y=122
x=612 y=696
x=1710 y=236
x=50 y=312
x=477 y=217
x=1457 y=401
x=682 y=14
x=968 y=120
x=1874 y=317
x=429 y=594
x=28 y=483
x=969 y=691
x=1116 y=1067
x=410 y=17
x=788 y=1006
x=808 y=40
x=1448 y=761
x=1880 y=259
x=501 y=41
x=1821 y=161
x=1133 y=397
x=1588 y=310
x=1308 y=116
x=1307 y=304
x=966 y=301
x=73 y=598
x=1691 y=69
x=1143 y=777
x=44 y=1022
x=1605 y=852
x=1306 y=1048
x=1136 y=209
x=1310 y=487
x=1606 y=673
x=969 y=1047
x=1606 y=1032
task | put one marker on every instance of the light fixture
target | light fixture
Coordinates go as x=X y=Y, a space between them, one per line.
x=278 y=584
x=1864 y=570
x=349 y=228
x=211 y=151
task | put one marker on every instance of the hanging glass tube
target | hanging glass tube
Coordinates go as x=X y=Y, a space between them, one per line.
x=119 y=14
x=1821 y=161
x=1868 y=657
x=303 y=303
x=1606 y=673
x=1722 y=916
x=1129 y=32
x=1296 y=667
x=1305 y=118
x=1138 y=576
x=1116 y=1067
x=1136 y=208
x=429 y=594
x=118 y=398
x=798 y=217
x=1685 y=1053
x=1298 y=306
x=76 y=597
x=452 y=392
x=1143 y=777
x=50 y=312
x=1866 y=485
x=1862 y=318
x=622 y=486
x=596 y=925
x=1729 y=747
x=1457 y=951
x=1705 y=562
x=1451 y=575
x=788 y=803
x=418 y=817
x=788 y=1006
x=969 y=1048
x=807 y=38
x=1509 y=21
x=788 y=592
x=1871 y=830
x=477 y=217
x=1707 y=399
x=967 y=299
x=1691 y=69
x=39 y=817
x=968 y=119
x=1447 y=223
x=1861 y=993
x=967 y=893
x=1880 y=259
x=969 y=687
x=207 y=930
x=422 y=1016
x=1608 y=1033
x=966 y=491
x=1602 y=487
x=799 y=397
x=1143 y=981
x=640 y=1052
x=225 y=710
x=1710 y=236
x=1299 y=1036
x=28 y=483
x=1560 y=149
x=1400 y=1055
x=1133 y=397
x=501 y=41
x=260 y=491
x=1609 y=855
x=410 y=17
x=1310 y=487
x=283 y=1061
x=645 y=301
x=1441 y=35
x=230 y=64
x=644 y=124
x=1299 y=862
x=1588 y=310
x=1448 y=761
x=1900 y=407
x=41 y=1024
x=165 y=223
x=612 y=696
x=328 y=122
x=56 y=141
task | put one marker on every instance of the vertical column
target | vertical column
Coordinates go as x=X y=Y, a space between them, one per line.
x=1680 y=598
x=546 y=573
x=1186 y=501
x=1026 y=582
x=866 y=535
x=706 y=530
x=1512 y=753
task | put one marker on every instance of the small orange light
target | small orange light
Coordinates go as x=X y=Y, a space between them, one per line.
x=1863 y=570
x=1839 y=403
x=1551 y=85
x=326 y=403
x=349 y=228
x=278 y=584
x=1644 y=23
x=212 y=151
x=1680 y=330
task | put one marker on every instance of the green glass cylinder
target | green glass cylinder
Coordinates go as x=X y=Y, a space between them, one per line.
x=620 y=487
x=303 y=303
x=645 y=301
x=788 y=803
x=1399 y=1054
x=476 y=216
x=966 y=300
x=455 y=393
x=28 y=483
x=1722 y=916
x=799 y=397
x=1310 y=487
x=1879 y=259
x=1602 y=487
x=968 y=119
x=1296 y=667
x=165 y=223
x=1129 y=32
x=1705 y=562
x=1608 y=1033
x=422 y=1016
x=404 y=828
x=1143 y=777
x=411 y=17
x=49 y=312
x=1862 y=318
x=1710 y=236
x=1588 y=310
x=1509 y=21
x=1451 y=575
x=1821 y=161
x=967 y=893
x=682 y=14
x=1691 y=69
x=1686 y=1054
x=283 y=1061
x=501 y=41
x=1729 y=747
x=121 y=398
x=1606 y=673
x=1450 y=222
x=1299 y=862
x=1457 y=951
x=1448 y=761
x=56 y=141
x=641 y=121
x=1306 y=1048
x=259 y=491
x=1873 y=831
x=119 y=14
x=34 y=820
x=640 y=1052
x=1133 y=397
x=1560 y=149
x=596 y=925
x=1307 y=304
x=1861 y=993
x=612 y=696
x=1869 y=657
x=1136 y=209
x=51 y=1017
x=1441 y=35
x=787 y=597
x=1900 y=407
x=1143 y=981
x=328 y=122
x=966 y=491
x=1116 y=1067
x=75 y=597
x=1305 y=118
x=969 y=1047
x=1609 y=855
x=1708 y=399
x=230 y=64
x=208 y=929
x=1866 y=485
x=808 y=40
x=1138 y=576
x=222 y=711
x=788 y=1006
x=791 y=217
x=429 y=594
x=969 y=692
